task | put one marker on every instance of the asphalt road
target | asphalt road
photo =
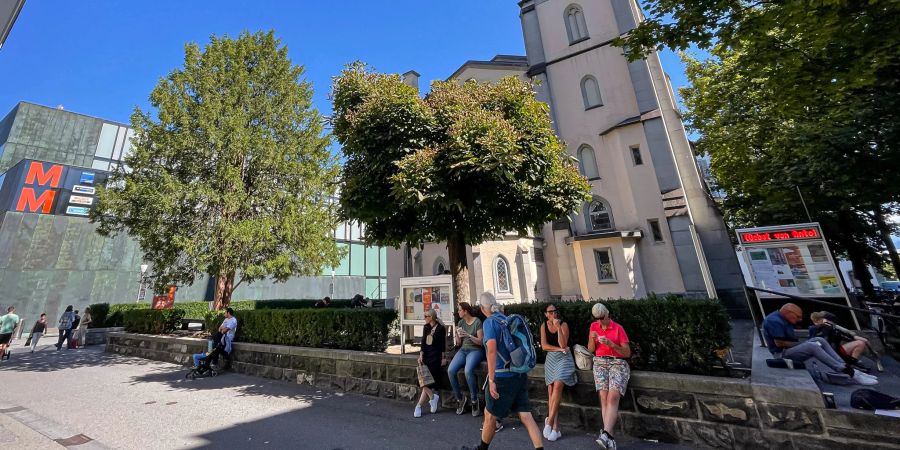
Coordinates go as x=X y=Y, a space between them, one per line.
x=131 y=403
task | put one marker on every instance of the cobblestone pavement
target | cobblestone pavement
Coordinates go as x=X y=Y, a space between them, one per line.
x=112 y=401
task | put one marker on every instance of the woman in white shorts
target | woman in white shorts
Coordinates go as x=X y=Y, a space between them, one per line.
x=609 y=344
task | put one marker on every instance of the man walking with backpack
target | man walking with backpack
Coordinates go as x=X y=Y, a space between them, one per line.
x=508 y=362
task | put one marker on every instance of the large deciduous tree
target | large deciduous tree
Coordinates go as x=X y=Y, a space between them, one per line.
x=462 y=165
x=233 y=176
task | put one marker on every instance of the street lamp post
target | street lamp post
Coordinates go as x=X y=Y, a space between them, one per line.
x=332 y=284
x=141 y=290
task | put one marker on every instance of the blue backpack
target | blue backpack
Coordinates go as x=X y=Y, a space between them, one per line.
x=516 y=337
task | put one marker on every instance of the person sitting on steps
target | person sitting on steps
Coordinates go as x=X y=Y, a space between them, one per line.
x=783 y=343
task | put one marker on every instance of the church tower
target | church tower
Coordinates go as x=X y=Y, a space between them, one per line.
x=651 y=225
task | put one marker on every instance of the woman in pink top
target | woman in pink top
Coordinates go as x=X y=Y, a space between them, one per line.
x=609 y=344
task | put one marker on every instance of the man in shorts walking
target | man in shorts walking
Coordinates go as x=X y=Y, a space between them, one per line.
x=506 y=392
x=8 y=325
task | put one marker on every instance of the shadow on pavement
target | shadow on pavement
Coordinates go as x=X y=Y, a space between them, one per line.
x=47 y=359
x=243 y=384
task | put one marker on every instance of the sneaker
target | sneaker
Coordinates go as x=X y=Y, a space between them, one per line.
x=434 y=403
x=418 y=411
x=605 y=440
x=461 y=405
x=547 y=428
x=497 y=430
x=861 y=378
x=476 y=407
x=554 y=435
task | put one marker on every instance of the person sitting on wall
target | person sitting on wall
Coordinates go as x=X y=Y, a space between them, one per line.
x=324 y=303
x=783 y=343
x=358 y=301
x=228 y=328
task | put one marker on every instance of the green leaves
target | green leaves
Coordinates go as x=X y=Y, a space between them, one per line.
x=470 y=159
x=232 y=177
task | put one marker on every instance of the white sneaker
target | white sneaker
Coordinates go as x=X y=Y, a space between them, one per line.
x=434 y=403
x=547 y=428
x=859 y=378
x=866 y=375
x=554 y=435
x=604 y=440
x=418 y=411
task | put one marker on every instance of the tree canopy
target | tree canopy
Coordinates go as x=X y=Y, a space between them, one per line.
x=464 y=164
x=233 y=176
x=794 y=95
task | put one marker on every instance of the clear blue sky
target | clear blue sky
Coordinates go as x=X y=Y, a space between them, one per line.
x=102 y=58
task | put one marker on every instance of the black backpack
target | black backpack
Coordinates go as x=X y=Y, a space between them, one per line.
x=871 y=399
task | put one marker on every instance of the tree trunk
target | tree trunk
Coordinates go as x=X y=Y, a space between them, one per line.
x=459 y=267
x=855 y=254
x=885 y=231
x=224 y=289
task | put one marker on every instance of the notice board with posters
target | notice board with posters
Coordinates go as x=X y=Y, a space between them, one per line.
x=792 y=259
x=419 y=294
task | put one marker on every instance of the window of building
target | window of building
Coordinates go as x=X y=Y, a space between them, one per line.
x=655 y=230
x=599 y=215
x=439 y=266
x=501 y=276
x=576 y=27
x=605 y=270
x=538 y=255
x=590 y=92
x=636 y=156
x=587 y=162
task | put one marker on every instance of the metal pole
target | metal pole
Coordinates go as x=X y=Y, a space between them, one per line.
x=808 y=217
x=140 y=288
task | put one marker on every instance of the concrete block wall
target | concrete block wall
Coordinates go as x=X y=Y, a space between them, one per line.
x=704 y=412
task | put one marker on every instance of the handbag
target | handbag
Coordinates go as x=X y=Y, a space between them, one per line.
x=28 y=342
x=583 y=358
x=425 y=378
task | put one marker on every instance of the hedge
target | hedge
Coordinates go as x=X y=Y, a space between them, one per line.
x=667 y=334
x=364 y=329
x=106 y=315
x=152 y=321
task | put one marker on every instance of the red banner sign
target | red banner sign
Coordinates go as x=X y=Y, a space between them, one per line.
x=784 y=235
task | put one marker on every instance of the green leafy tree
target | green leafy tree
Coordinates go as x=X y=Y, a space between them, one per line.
x=462 y=165
x=817 y=97
x=233 y=177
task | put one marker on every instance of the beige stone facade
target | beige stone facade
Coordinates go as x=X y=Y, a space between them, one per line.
x=651 y=227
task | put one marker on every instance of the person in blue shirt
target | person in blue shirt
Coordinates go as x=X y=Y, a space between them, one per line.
x=506 y=392
x=782 y=342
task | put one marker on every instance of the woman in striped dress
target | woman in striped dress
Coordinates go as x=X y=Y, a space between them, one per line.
x=559 y=368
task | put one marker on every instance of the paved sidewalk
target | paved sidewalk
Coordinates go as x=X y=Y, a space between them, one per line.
x=132 y=403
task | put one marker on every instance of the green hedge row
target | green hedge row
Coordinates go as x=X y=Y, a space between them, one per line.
x=152 y=321
x=667 y=334
x=347 y=329
x=106 y=315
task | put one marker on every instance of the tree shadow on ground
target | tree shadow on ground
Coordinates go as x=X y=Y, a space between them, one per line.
x=47 y=359
x=243 y=385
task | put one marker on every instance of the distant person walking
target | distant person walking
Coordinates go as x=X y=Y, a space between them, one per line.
x=609 y=344
x=559 y=368
x=83 y=327
x=8 y=325
x=65 y=326
x=37 y=331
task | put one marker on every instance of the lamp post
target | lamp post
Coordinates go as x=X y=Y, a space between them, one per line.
x=332 y=284
x=141 y=290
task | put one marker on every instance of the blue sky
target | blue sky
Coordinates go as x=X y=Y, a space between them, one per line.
x=102 y=58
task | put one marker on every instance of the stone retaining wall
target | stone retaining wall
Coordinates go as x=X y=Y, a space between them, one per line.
x=701 y=411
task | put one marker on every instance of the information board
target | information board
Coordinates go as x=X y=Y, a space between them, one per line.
x=793 y=259
x=423 y=293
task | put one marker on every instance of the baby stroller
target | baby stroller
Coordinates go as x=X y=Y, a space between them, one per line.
x=207 y=365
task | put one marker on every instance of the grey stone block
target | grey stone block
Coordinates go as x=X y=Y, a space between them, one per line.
x=372 y=388
x=665 y=403
x=353 y=384
x=862 y=421
x=343 y=368
x=736 y=411
x=402 y=374
x=754 y=439
x=388 y=390
x=791 y=418
x=407 y=392
x=706 y=434
x=361 y=369
x=326 y=366
x=304 y=377
x=820 y=443
x=650 y=427
x=888 y=437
